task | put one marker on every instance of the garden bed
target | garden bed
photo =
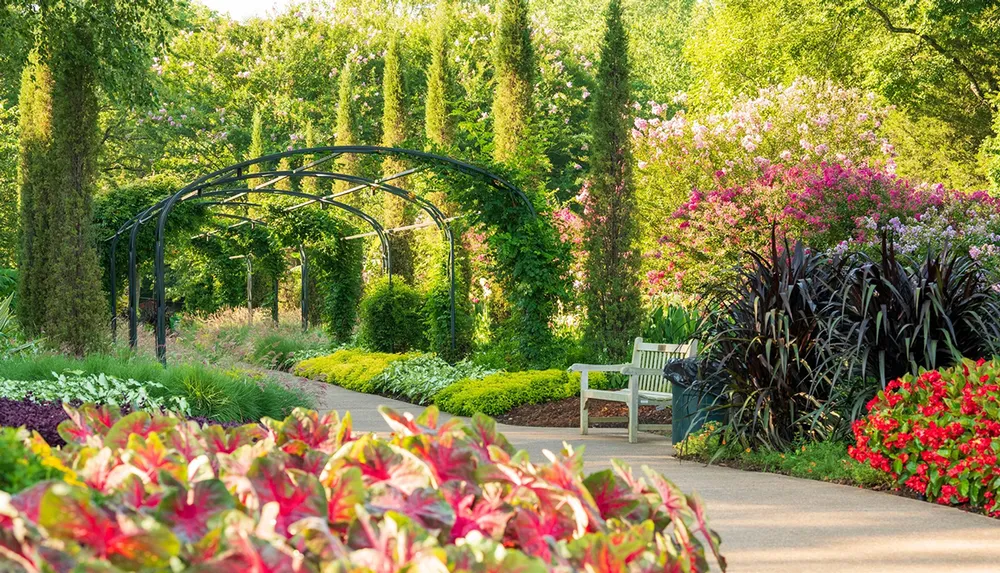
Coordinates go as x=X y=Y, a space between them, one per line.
x=565 y=413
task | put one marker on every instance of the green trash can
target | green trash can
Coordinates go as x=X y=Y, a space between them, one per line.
x=695 y=403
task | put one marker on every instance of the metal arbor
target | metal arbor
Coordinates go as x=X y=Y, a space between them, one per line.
x=221 y=188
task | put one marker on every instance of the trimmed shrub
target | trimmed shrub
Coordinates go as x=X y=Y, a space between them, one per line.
x=278 y=351
x=499 y=393
x=392 y=318
x=352 y=369
x=938 y=434
x=314 y=496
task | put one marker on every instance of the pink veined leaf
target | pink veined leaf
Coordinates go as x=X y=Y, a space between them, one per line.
x=28 y=502
x=429 y=417
x=150 y=456
x=318 y=433
x=87 y=424
x=252 y=555
x=483 y=431
x=97 y=467
x=297 y=493
x=614 y=498
x=312 y=462
x=446 y=459
x=610 y=551
x=133 y=493
x=425 y=506
x=534 y=532
x=476 y=510
x=137 y=423
x=188 y=510
x=70 y=514
x=399 y=422
x=345 y=489
x=713 y=539
x=220 y=440
x=186 y=440
x=673 y=500
x=382 y=462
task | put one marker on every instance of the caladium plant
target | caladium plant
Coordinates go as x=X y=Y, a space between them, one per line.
x=155 y=492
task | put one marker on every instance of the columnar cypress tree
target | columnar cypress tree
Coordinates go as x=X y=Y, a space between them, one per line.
x=345 y=127
x=256 y=141
x=515 y=66
x=284 y=184
x=308 y=184
x=62 y=287
x=437 y=124
x=33 y=171
x=396 y=211
x=612 y=295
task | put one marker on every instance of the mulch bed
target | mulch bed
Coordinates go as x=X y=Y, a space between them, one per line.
x=566 y=414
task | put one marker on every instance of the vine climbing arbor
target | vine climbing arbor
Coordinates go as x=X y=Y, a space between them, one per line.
x=229 y=194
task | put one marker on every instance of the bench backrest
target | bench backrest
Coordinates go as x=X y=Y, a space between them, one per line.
x=652 y=355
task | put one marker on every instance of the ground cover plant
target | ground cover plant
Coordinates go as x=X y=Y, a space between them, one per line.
x=149 y=492
x=193 y=389
x=498 y=393
x=419 y=379
x=938 y=434
x=826 y=460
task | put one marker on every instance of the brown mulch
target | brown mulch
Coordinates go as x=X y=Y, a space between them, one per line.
x=566 y=414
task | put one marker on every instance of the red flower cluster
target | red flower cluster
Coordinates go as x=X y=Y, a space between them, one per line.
x=938 y=434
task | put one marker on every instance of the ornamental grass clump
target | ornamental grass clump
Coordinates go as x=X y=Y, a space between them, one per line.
x=153 y=492
x=938 y=434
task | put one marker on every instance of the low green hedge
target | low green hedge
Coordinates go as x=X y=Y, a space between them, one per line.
x=352 y=369
x=499 y=393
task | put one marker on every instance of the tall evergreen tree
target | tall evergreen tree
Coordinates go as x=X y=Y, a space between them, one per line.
x=346 y=128
x=514 y=71
x=612 y=296
x=309 y=184
x=34 y=183
x=437 y=124
x=256 y=141
x=396 y=211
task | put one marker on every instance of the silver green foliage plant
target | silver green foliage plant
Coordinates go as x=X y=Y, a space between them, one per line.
x=418 y=379
x=73 y=386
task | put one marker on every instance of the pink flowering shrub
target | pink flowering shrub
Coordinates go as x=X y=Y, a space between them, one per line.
x=938 y=434
x=145 y=492
x=827 y=206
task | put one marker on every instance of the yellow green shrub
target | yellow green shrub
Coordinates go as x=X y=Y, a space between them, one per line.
x=351 y=369
x=499 y=393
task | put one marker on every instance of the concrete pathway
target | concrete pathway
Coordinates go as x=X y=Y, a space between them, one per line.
x=768 y=522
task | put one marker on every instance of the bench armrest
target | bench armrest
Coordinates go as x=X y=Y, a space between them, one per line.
x=597 y=367
x=630 y=370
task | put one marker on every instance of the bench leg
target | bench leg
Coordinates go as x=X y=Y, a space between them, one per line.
x=633 y=417
x=584 y=416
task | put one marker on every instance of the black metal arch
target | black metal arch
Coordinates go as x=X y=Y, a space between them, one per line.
x=146 y=216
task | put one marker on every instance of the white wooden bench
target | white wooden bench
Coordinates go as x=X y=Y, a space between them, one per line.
x=646 y=383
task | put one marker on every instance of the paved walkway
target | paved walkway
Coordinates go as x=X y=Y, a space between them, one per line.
x=768 y=523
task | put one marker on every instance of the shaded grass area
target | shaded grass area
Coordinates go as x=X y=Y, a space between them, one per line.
x=824 y=461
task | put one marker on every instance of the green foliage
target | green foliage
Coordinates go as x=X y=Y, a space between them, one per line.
x=672 y=324
x=70 y=386
x=279 y=351
x=9 y=232
x=611 y=295
x=20 y=466
x=514 y=62
x=352 y=369
x=391 y=318
x=826 y=460
x=437 y=121
x=437 y=308
x=215 y=394
x=396 y=211
x=498 y=393
x=420 y=378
